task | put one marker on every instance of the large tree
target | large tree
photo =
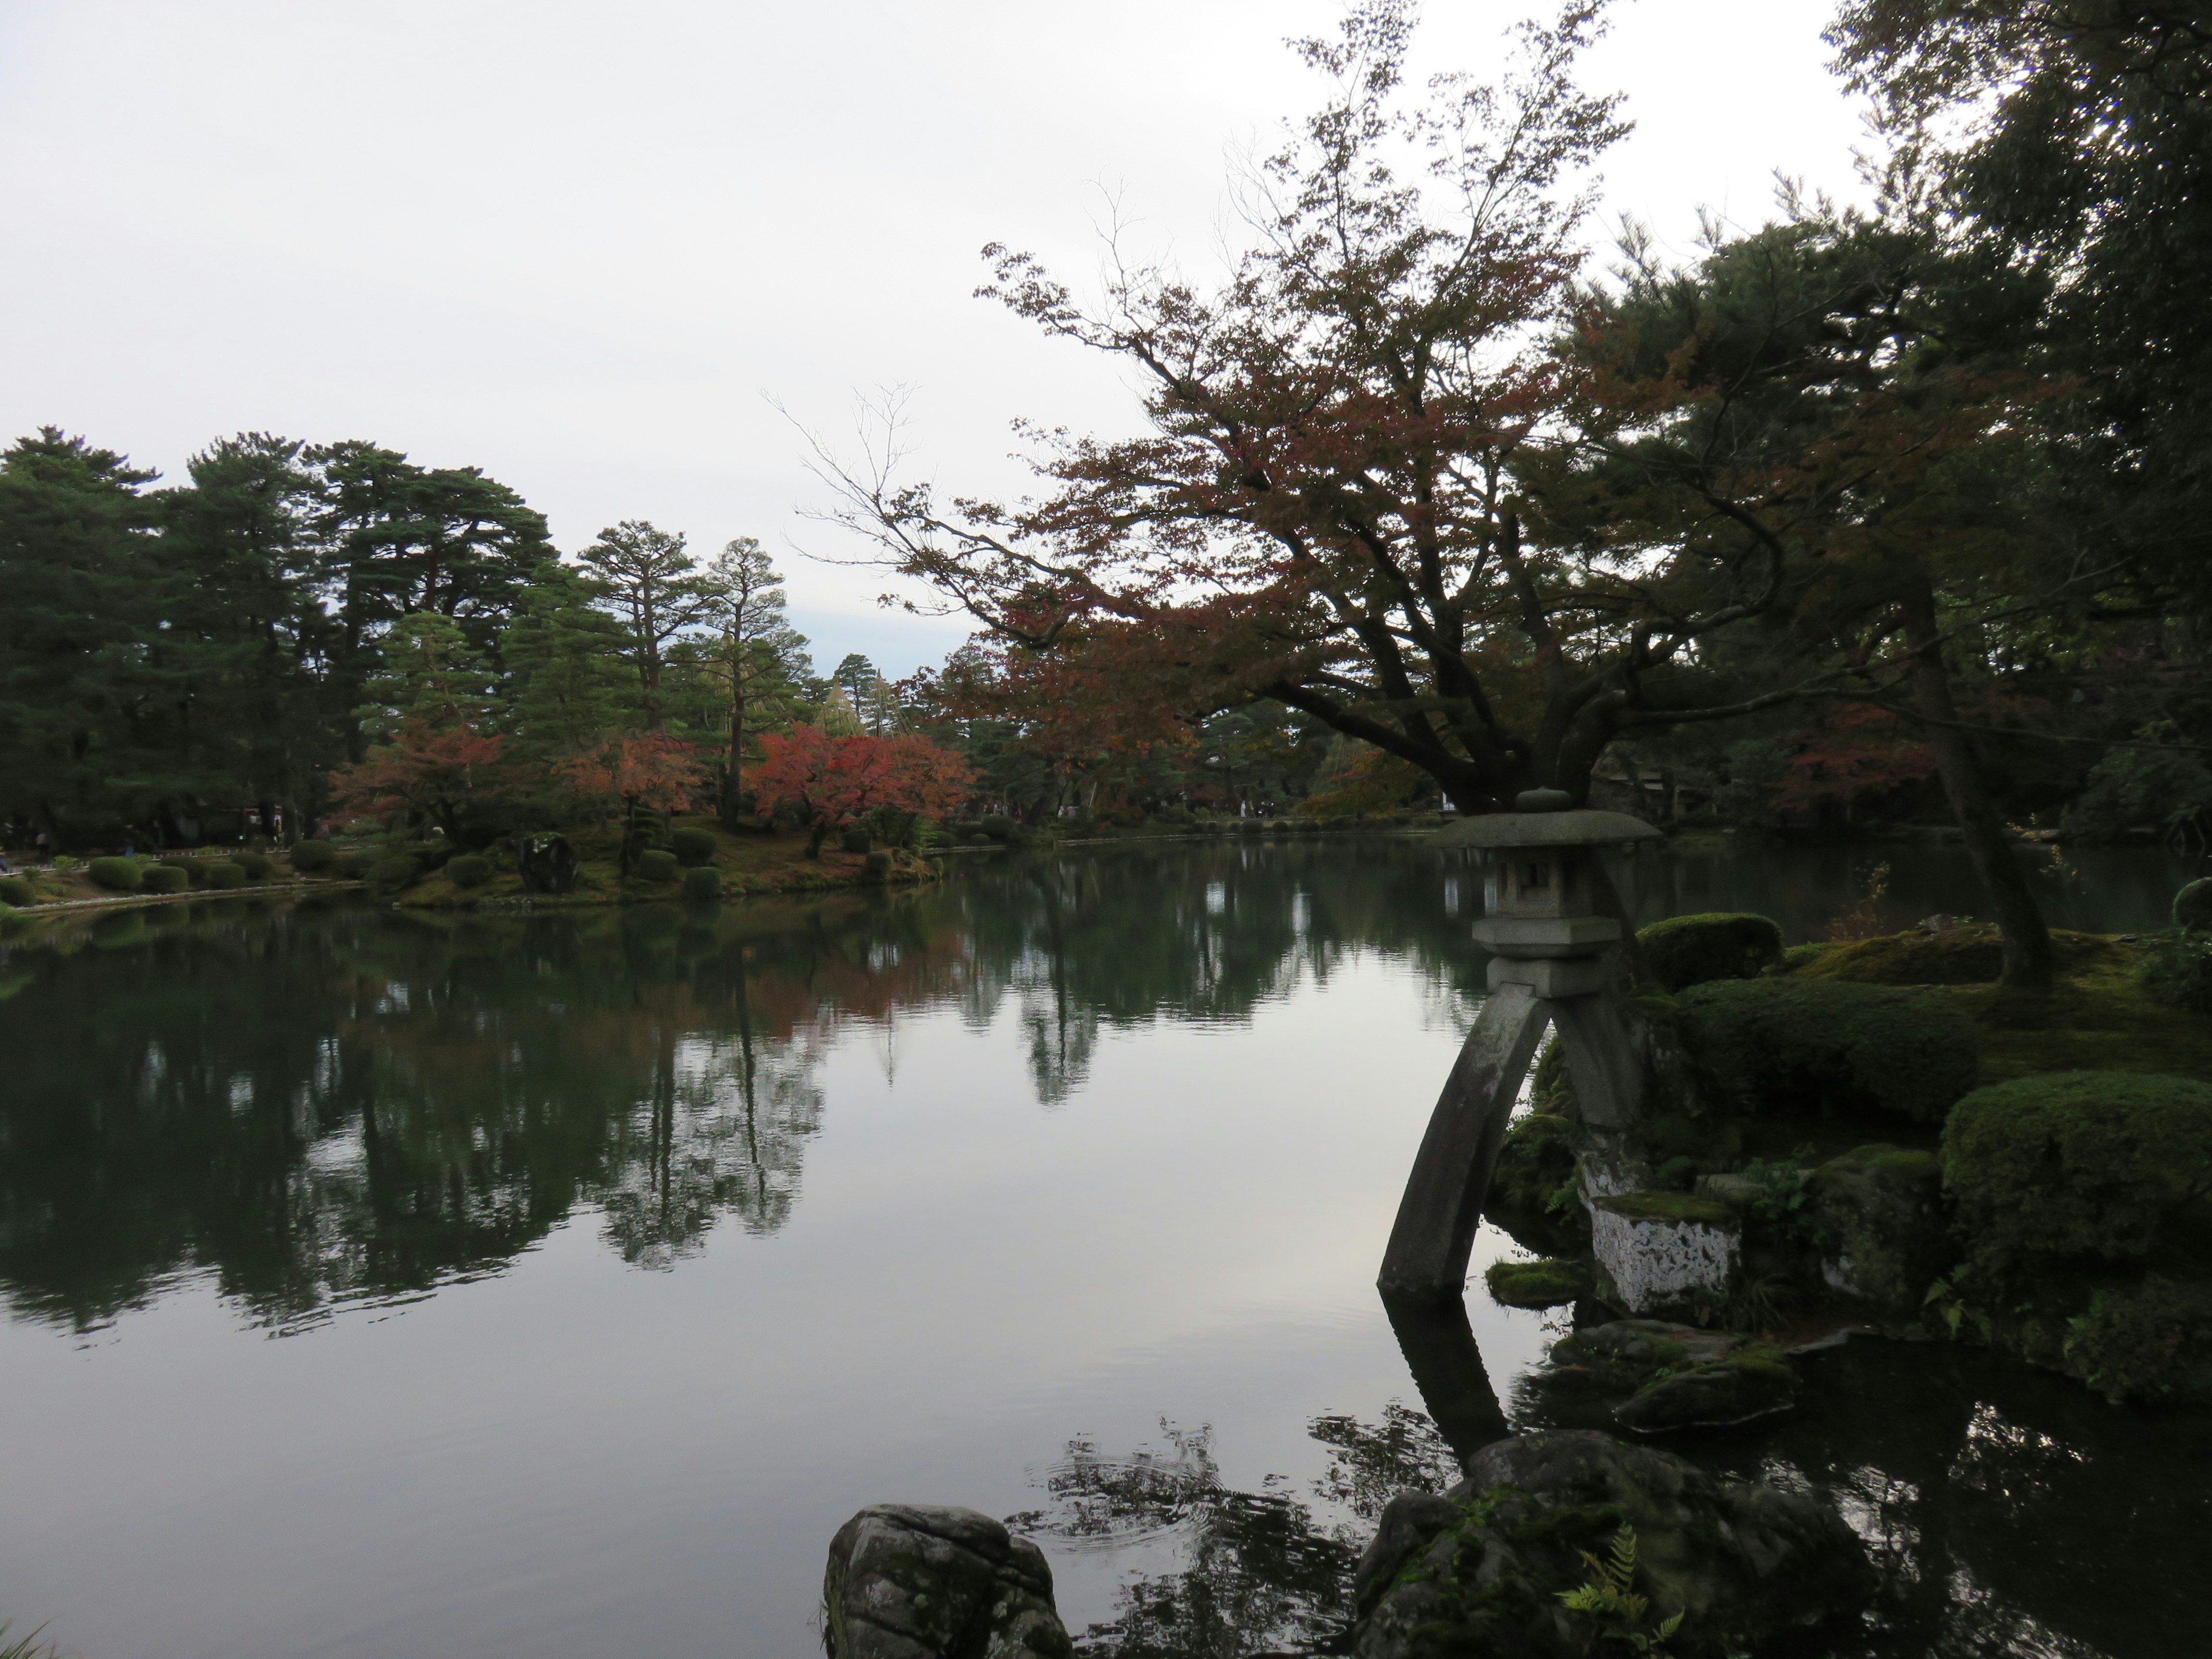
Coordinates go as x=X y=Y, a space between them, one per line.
x=1332 y=507
x=643 y=577
x=756 y=657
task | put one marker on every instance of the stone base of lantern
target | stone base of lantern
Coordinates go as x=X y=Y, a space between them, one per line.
x=1663 y=1251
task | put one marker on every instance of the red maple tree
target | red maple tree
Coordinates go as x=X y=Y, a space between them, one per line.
x=833 y=780
x=437 y=774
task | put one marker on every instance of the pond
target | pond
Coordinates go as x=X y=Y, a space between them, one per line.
x=554 y=1285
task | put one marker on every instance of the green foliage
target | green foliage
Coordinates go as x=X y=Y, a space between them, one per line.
x=998 y=826
x=2192 y=906
x=703 y=884
x=17 y=890
x=878 y=865
x=255 y=864
x=1796 y=1045
x=2075 y=1165
x=117 y=875
x=2147 y=1341
x=1685 y=950
x=658 y=865
x=856 y=838
x=26 y=1646
x=393 y=871
x=223 y=873
x=194 y=870
x=469 y=869
x=2176 y=970
x=1609 y=1599
x=692 y=846
x=311 y=857
x=163 y=879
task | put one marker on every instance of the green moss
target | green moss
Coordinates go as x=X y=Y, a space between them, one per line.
x=1801 y=1046
x=1668 y=1206
x=2100 y=1017
x=1685 y=950
x=2080 y=1165
x=1952 y=956
x=1800 y=957
x=1547 y=1282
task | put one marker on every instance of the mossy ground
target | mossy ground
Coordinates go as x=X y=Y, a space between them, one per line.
x=2098 y=1016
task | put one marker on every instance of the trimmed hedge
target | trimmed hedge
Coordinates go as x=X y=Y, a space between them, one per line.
x=2192 y=907
x=311 y=857
x=394 y=871
x=2073 y=1164
x=1685 y=950
x=2176 y=970
x=1787 y=1045
x=17 y=890
x=470 y=870
x=117 y=875
x=692 y=846
x=703 y=884
x=226 y=873
x=658 y=865
x=256 y=865
x=194 y=870
x=162 y=879
x=2147 y=1342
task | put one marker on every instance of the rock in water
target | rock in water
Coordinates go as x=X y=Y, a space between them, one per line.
x=927 y=1582
x=1478 y=1572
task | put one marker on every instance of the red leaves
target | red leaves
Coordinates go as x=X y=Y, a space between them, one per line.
x=651 y=770
x=834 y=779
x=1862 y=749
x=431 y=771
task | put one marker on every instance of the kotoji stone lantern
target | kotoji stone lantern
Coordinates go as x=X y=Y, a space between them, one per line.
x=1550 y=966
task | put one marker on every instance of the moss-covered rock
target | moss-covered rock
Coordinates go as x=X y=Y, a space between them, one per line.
x=1547 y=1282
x=1800 y=1047
x=1751 y=1383
x=1685 y=950
x=1877 y=1211
x=2078 y=1164
x=1481 y=1570
x=909 y=1581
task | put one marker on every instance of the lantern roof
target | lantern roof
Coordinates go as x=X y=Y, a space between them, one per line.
x=1575 y=827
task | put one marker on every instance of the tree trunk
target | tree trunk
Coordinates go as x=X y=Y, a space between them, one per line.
x=2027 y=959
x=730 y=772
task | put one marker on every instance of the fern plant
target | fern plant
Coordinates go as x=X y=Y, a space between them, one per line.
x=1610 y=1600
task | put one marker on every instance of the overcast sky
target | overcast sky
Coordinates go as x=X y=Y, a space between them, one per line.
x=582 y=245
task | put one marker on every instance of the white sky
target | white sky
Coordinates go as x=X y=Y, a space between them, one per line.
x=581 y=245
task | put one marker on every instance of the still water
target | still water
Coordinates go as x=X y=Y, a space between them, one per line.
x=554 y=1287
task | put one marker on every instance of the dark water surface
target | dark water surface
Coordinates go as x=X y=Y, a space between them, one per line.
x=554 y=1285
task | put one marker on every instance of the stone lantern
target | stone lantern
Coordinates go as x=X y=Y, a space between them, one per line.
x=1550 y=966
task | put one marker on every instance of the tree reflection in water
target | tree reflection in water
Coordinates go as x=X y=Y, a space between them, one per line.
x=328 y=1102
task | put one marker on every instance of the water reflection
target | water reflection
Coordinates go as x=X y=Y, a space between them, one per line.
x=333 y=1102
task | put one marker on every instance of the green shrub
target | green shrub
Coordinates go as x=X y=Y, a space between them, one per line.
x=470 y=870
x=692 y=846
x=1532 y=1187
x=224 y=873
x=878 y=867
x=997 y=825
x=2192 y=907
x=117 y=875
x=17 y=890
x=311 y=857
x=2073 y=1164
x=194 y=870
x=1790 y=1045
x=703 y=884
x=657 y=865
x=1685 y=950
x=162 y=879
x=2147 y=1342
x=856 y=838
x=393 y=871
x=255 y=864
x=349 y=867
x=2176 y=970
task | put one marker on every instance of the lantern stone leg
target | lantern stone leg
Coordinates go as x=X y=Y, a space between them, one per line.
x=1548 y=968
